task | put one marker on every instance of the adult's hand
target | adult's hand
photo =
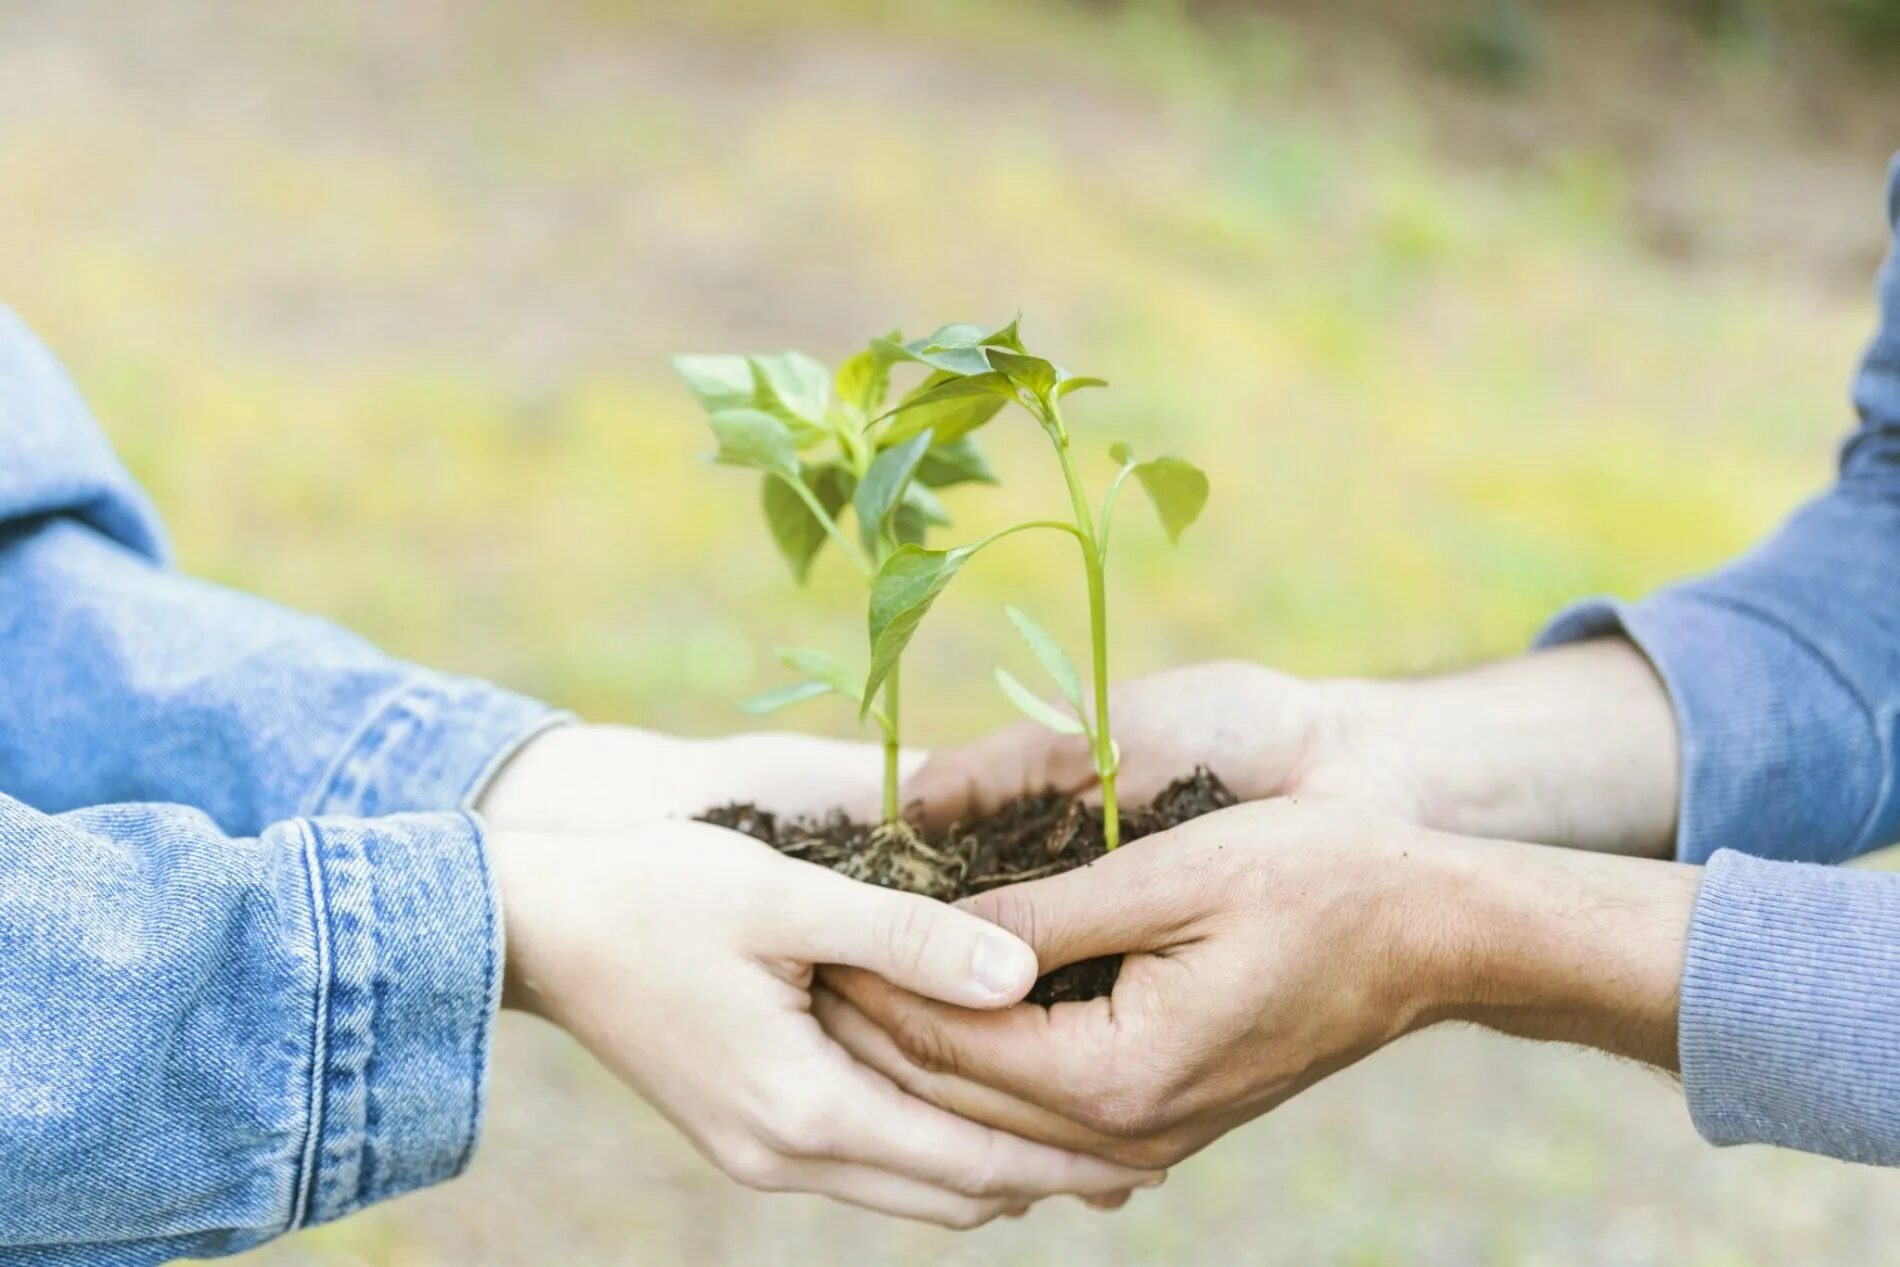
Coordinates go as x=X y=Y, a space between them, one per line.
x=597 y=778
x=1268 y=946
x=683 y=958
x=1573 y=746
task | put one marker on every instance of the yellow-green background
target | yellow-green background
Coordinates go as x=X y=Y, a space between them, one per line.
x=378 y=298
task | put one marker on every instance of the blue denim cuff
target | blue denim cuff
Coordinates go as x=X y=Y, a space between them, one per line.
x=1788 y=1029
x=433 y=743
x=1779 y=756
x=408 y=943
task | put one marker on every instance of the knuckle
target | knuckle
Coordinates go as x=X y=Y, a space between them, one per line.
x=923 y=1043
x=797 y=1125
x=1154 y=1154
x=981 y=1176
x=903 y=932
x=1013 y=911
x=752 y=1164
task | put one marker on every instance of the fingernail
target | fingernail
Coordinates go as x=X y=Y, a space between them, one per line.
x=1002 y=966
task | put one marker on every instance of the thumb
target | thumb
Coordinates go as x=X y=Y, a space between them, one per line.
x=1122 y=903
x=915 y=942
x=980 y=778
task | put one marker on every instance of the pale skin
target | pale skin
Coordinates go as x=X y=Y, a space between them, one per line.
x=1371 y=887
x=682 y=956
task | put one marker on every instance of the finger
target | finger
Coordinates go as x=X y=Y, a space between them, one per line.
x=980 y=778
x=872 y=1046
x=1133 y=899
x=928 y=948
x=896 y=1132
x=872 y=1189
x=1060 y=1058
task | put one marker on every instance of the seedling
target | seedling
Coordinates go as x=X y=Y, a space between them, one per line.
x=974 y=372
x=822 y=446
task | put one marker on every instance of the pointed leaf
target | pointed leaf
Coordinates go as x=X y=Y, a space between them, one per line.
x=1007 y=336
x=1178 y=488
x=1067 y=382
x=793 y=386
x=720 y=381
x=1050 y=655
x=822 y=667
x=949 y=406
x=901 y=594
x=773 y=700
x=1036 y=709
x=959 y=462
x=883 y=487
x=1031 y=373
x=796 y=530
x=754 y=438
x=864 y=377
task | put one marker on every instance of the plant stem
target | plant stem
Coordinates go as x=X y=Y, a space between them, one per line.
x=1103 y=743
x=890 y=746
x=830 y=525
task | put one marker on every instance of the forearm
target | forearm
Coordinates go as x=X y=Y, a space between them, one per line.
x=1573 y=746
x=1564 y=946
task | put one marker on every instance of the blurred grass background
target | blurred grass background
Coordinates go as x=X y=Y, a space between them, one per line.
x=1469 y=308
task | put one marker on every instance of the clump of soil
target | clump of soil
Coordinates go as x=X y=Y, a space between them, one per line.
x=1031 y=837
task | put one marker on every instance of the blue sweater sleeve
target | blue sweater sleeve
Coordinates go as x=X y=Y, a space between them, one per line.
x=147 y=685
x=207 y=1040
x=1784 y=669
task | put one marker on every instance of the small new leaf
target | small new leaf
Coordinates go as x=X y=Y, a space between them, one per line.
x=864 y=377
x=1031 y=373
x=1178 y=488
x=754 y=438
x=822 y=668
x=772 y=701
x=1067 y=382
x=1054 y=660
x=882 y=488
x=1034 y=708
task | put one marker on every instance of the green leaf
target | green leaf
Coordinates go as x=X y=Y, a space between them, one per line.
x=793 y=386
x=797 y=531
x=1177 y=487
x=917 y=514
x=882 y=487
x=901 y=593
x=1050 y=655
x=864 y=378
x=1036 y=709
x=1067 y=382
x=949 y=406
x=954 y=349
x=754 y=438
x=959 y=462
x=1031 y=373
x=773 y=700
x=1007 y=336
x=720 y=381
x=820 y=666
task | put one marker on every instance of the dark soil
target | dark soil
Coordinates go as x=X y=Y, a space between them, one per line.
x=1031 y=837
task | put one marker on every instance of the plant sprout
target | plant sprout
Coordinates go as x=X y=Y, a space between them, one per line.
x=971 y=367
x=822 y=445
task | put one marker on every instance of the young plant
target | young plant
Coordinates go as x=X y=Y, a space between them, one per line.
x=822 y=446
x=970 y=368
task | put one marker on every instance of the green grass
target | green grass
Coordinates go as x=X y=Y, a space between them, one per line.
x=380 y=311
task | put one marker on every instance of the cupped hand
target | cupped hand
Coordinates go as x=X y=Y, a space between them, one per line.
x=1267 y=946
x=602 y=778
x=683 y=958
x=1264 y=733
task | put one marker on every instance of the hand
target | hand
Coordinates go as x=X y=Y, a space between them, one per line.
x=1574 y=746
x=592 y=778
x=1264 y=733
x=1271 y=945
x=683 y=959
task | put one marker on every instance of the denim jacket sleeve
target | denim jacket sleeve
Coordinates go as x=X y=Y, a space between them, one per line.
x=1784 y=669
x=148 y=685
x=207 y=1040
